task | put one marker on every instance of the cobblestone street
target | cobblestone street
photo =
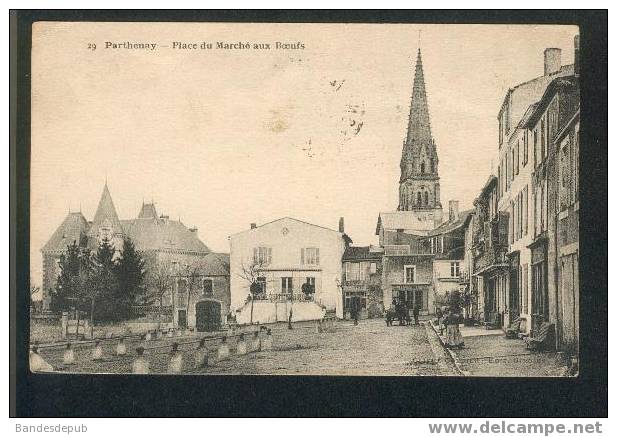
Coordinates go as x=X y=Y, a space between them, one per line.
x=370 y=348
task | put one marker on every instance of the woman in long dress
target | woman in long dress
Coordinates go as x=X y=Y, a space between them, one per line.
x=453 y=333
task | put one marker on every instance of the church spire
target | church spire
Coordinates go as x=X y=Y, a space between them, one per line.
x=419 y=127
x=419 y=183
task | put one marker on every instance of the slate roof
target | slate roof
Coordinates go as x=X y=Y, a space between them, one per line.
x=106 y=211
x=362 y=253
x=73 y=228
x=444 y=228
x=160 y=234
x=406 y=220
x=148 y=232
x=216 y=264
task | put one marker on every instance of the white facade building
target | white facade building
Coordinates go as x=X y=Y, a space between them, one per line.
x=287 y=253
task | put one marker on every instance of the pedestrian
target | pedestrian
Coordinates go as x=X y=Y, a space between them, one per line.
x=439 y=315
x=201 y=354
x=37 y=362
x=140 y=365
x=416 y=313
x=175 y=360
x=241 y=347
x=453 y=333
x=121 y=348
x=68 y=358
x=97 y=351
x=256 y=347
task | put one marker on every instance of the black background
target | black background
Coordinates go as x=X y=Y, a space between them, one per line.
x=248 y=396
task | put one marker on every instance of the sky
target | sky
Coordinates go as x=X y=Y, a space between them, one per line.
x=223 y=138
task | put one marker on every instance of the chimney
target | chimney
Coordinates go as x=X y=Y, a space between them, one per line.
x=193 y=230
x=453 y=210
x=552 y=61
x=341 y=225
x=253 y=225
x=577 y=59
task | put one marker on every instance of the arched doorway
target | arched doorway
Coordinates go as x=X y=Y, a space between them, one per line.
x=207 y=315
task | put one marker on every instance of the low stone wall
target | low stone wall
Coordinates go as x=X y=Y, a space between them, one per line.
x=272 y=312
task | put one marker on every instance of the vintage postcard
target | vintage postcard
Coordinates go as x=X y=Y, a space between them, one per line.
x=304 y=199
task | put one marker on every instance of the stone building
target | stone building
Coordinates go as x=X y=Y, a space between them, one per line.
x=160 y=240
x=554 y=249
x=362 y=270
x=517 y=145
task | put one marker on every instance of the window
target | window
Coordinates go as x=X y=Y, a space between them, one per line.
x=207 y=286
x=501 y=130
x=261 y=281
x=575 y=152
x=543 y=140
x=525 y=147
x=455 y=271
x=310 y=256
x=373 y=268
x=422 y=168
x=512 y=162
x=419 y=199
x=286 y=285
x=262 y=255
x=182 y=294
x=517 y=153
x=565 y=175
x=410 y=274
x=525 y=287
x=352 y=271
x=535 y=148
x=525 y=210
x=426 y=198
x=432 y=165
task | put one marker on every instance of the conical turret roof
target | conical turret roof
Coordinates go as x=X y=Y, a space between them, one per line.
x=106 y=211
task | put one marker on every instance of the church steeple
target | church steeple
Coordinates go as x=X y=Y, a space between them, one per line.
x=419 y=182
x=419 y=127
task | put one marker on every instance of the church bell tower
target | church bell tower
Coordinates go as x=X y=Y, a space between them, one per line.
x=419 y=182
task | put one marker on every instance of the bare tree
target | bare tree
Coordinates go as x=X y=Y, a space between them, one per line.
x=191 y=272
x=161 y=281
x=250 y=272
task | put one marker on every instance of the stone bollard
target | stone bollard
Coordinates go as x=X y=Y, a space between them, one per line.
x=266 y=345
x=256 y=345
x=109 y=335
x=241 y=347
x=180 y=333
x=37 y=363
x=68 y=358
x=223 y=351
x=141 y=366
x=170 y=333
x=175 y=360
x=121 y=347
x=97 y=351
x=148 y=336
x=201 y=355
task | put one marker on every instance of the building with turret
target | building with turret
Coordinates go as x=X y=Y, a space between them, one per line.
x=160 y=240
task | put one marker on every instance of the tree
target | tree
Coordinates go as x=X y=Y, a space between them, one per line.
x=130 y=275
x=103 y=285
x=72 y=280
x=249 y=272
x=191 y=273
x=160 y=281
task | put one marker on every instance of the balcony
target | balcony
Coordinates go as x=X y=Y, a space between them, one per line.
x=491 y=258
x=411 y=249
x=285 y=297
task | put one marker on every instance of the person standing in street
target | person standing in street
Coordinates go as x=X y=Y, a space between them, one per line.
x=416 y=313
